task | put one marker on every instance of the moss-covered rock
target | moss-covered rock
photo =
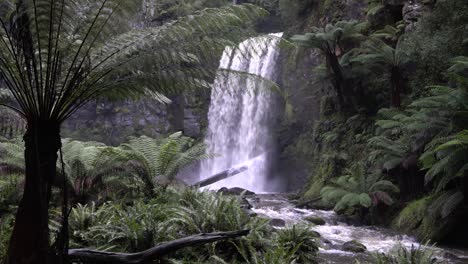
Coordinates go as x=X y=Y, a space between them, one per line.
x=315 y=220
x=354 y=246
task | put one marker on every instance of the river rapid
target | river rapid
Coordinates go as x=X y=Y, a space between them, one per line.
x=336 y=232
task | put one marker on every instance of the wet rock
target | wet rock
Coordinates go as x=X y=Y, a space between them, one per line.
x=245 y=204
x=252 y=214
x=449 y=255
x=316 y=234
x=235 y=191
x=315 y=220
x=276 y=222
x=354 y=246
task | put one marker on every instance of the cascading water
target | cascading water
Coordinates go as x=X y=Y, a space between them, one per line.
x=241 y=113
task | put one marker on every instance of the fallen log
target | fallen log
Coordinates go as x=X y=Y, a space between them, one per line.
x=221 y=176
x=93 y=256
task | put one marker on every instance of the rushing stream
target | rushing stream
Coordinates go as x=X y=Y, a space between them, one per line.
x=336 y=232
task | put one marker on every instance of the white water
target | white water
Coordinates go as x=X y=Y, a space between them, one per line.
x=241 y=113
x=336 y=232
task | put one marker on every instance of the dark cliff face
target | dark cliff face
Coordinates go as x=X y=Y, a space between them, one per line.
x=114 y=122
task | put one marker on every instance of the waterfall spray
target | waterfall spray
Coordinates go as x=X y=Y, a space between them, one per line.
x=241 y=114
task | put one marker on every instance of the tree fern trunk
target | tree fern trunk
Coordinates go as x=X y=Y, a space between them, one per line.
x=397 y=88
x=29 y=243
x=335 y=67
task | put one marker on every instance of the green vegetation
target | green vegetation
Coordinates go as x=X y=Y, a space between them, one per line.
x=402 y=255
x=149 y=160
x=113 y=211
x=332 y=40
x=359 y=190
x=390 y=143
x=56 y=56
x=418 y=145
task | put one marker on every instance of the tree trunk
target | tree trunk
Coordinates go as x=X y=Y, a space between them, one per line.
x=335 y=67
x=397 y=88
x=29 y=243
x=221 y=176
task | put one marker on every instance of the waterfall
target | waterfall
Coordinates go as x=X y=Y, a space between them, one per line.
x=241 y=114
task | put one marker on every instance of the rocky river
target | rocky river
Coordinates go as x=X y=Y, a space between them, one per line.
x=335 y=232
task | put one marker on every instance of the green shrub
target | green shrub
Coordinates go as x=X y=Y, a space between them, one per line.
x=173 y=214
x=437 y=39
x=402 y=255
x=300 y=239
x=6 y=227
x=358 y=190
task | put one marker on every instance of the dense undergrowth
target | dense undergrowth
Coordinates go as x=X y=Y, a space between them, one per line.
x=126 y=199
x=398 y=150
x=391 y=147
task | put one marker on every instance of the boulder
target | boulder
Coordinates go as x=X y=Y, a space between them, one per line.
x=316 y=234
x=276 y=222
x=252 y=214
x=354 y=246
x=315 y=220
x=244 y=203
x=235 y=191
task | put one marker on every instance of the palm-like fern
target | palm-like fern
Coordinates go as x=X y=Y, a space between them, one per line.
x=57 y=55
x=374 y=6
x=157 y=159
x=11 y=157
x=332 y=41
x=89 y=174
x=390 y=33
x=358 y=190
x=84 y=40
x=377 y=54
x=436 y=127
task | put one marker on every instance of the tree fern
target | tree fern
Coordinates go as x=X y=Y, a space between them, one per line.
x=331 y=40
x=358 y=190
x=374 y=6
x=376 y=54
x=57 y=55
x=434 y=129
x=154 y=160
x=12 y=157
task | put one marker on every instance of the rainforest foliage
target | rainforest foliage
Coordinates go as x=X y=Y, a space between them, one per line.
x=399 y=141
x=125 y=199
x=390 y=146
